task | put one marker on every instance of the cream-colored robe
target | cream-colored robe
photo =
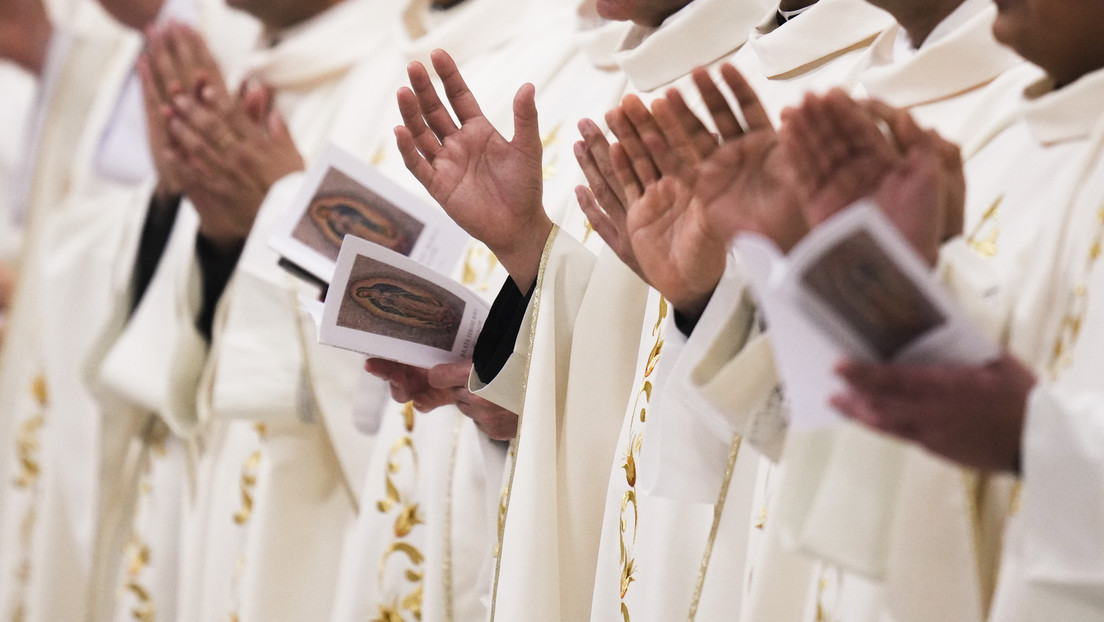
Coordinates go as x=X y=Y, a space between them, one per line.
x=935 y=523
x=1048 y=250
x=445 y=566
x=68 y=257
x=548 y=406
x=266 y=461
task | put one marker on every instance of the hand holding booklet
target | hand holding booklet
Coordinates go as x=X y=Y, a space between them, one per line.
x=385 y=305
x=853 y=287
x=382 y=253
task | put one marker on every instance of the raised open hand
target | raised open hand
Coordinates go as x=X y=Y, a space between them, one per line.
x=708 y=192
x=491 y=187
x=604 y=201
x=914 y=176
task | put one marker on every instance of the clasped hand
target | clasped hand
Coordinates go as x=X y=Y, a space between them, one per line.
x=223 y=152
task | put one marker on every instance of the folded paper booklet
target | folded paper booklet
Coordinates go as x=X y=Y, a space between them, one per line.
x=853 y=287
x=341 y=196
x=385 y=305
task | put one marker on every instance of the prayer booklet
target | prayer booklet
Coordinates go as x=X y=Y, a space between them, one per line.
x=853 y=287
x=385 y=305
x=342 y=195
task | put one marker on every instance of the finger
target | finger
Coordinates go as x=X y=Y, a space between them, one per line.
x=161 y=62
x=625 y=173
x=414 y=161
x=723 y=117
x=450 y=375
x=599 y=220
x=600 y=186
x=800 y=148
x=462 y=100
x=644 y=169
x=680 y=146
x=755 y=115
x=157 y=112
x=902 y=382
x=193 y=146
x=598 y=148
x=526 y=127
x=424 y=140
x=181 y=44
x=874 y=414
x=853 y=125
x=703 y=140
x=207 y=125
x=666 y=159
x=381 y=368
x=901 y=125
x=430 y=108
x=824 y=148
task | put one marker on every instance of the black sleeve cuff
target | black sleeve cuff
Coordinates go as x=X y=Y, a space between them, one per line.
x=684 y=324
x=216 y=265
x=156 y=230
x=496 y=341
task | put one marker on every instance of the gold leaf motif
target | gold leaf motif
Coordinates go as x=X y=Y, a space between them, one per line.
x=653 y=358
x=388 y=613
x=408 y=416
x=407 y=520
x=413 y=602
x=40 y=391
x=648 y=389
x=630 y=469
x=248 y=482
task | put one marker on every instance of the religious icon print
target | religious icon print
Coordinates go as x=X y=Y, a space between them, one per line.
x=341 y=207
x=385 y=300
x=867 y=291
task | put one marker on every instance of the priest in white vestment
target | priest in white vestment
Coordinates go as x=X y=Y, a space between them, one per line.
x=970 y=104
x=1042 y=425
x=262 y=459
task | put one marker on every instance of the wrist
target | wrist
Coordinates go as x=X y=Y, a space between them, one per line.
x=522 y=257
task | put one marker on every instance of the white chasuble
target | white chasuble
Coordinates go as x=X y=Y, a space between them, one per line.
x=572 y=375
x=266 y=462
x=426 y=535
x=1052 y=223
x=793 y=586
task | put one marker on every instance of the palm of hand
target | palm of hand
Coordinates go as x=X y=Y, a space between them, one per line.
x=745 y=185
x=482 y=179
x=675 y=245
x=913 y=197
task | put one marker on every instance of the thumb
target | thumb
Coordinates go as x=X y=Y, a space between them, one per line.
x=526 y=128
x=277 y=127
x=449 y=375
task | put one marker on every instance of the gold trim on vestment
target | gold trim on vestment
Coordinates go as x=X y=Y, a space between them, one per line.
x=504 y=501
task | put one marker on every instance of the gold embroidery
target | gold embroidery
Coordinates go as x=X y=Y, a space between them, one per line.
x=28 y=445
x=629 y=465
x=718 y=511
x=1077 y=304
x=479 y=265
x=446 y=566
x=406 y=519
x=984 y=237
x=249 y=475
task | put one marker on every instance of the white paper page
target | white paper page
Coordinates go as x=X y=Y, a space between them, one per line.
x=342 y=195
x=385 y=305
